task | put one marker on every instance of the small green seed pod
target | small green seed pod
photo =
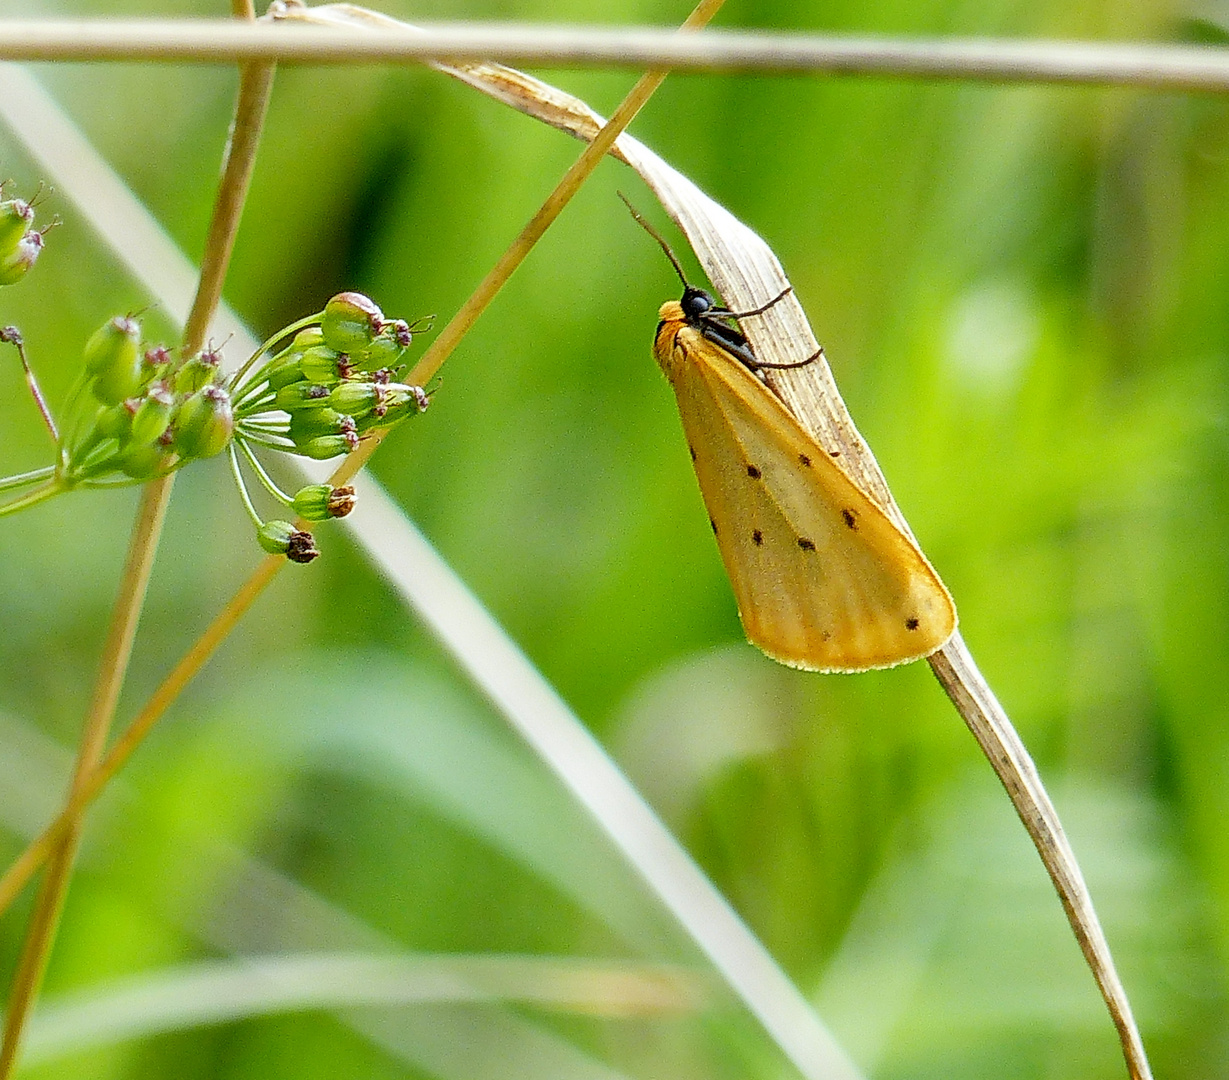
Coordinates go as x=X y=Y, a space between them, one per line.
x=283 y=371
x=205 y=423
x=147 y=462
x=358 y=398
x=319 y=502
x=320 y=364
x=307 y=338
x=153 y=415
x=384 y=352
x=116 y=342
x=117 y=382
x=282 y=538
x=116 y=421
x=324 y=447
x=16 y=219
x=274 y=536
x=301 y=396
x=309 y=423
x=17 y=263
x=350 y=322
x=400 y=402
x=198 y=372
x=312 y=502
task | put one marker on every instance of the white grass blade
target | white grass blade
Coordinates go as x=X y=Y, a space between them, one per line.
x=224 y=991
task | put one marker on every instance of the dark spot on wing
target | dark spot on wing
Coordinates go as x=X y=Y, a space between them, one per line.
x=753 y=472
x=911 y=623
x=825 y=635
x=804 y=460
x=692 y=450
x=834 y=453
x=757 y=537
x=851 y=520
x=714 y=525
x=805 y=544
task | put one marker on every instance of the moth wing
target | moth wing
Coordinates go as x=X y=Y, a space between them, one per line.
x=823 y=578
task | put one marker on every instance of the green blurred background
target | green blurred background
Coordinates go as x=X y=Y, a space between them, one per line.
x=1022 y=292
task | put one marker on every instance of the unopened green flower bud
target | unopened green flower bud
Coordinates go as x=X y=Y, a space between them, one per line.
x=350 y=322
x=153 y=415
x=302 y=395
x=205 y=423
x=16 y=263
x=282 y=538
x=16 y=218
x=322 y=501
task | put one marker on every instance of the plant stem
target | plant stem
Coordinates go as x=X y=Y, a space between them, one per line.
x=987 y=720
x=441 y=348
x=41 y=932
x=22 y=479
x=284 y=332
x=1154 y=65
x=196 y=657
x=243 y=491
x=172 y=686
x=254 y=87
x=32 y=498
x=269 y=485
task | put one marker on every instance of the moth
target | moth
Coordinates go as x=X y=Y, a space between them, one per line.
x=824 y=579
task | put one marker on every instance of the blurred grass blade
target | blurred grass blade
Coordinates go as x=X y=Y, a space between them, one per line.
x=217 y=992
x=477 y=643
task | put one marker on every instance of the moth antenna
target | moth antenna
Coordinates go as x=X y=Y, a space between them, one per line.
x=656 y=236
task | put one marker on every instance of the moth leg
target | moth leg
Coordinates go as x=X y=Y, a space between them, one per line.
x=759 y=310
x=796 y=364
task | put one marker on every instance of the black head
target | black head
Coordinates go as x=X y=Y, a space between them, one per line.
x=696 y=303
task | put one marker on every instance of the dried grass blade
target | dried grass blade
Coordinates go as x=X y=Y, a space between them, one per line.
x=745 y=272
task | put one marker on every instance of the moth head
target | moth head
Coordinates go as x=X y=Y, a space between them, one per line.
x=696 y=303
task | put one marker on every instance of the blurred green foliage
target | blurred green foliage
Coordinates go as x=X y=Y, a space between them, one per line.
x=1022 y=292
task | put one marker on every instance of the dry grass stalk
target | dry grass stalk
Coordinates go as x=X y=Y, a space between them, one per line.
x=746 y=273
x=1197 y=68
x=255 y=84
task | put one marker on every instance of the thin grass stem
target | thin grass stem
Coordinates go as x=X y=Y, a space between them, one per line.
x=1152 y=65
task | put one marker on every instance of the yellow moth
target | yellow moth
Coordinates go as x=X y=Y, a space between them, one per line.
x=823 y=578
